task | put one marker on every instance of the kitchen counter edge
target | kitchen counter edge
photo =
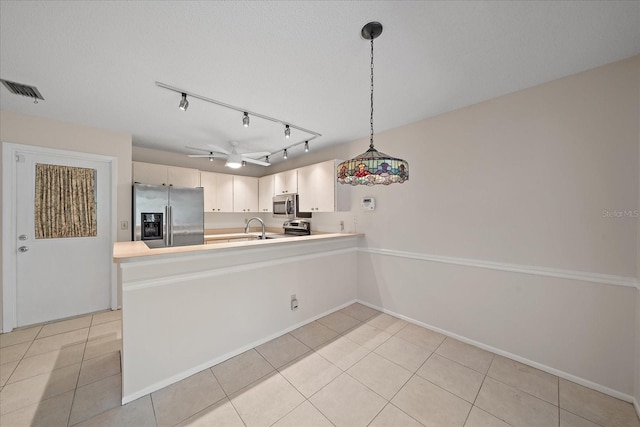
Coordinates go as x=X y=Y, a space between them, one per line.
x=138 y=250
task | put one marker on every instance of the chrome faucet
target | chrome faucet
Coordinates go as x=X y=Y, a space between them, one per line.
x=246 y=228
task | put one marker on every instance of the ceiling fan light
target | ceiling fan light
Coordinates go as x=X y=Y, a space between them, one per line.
x=306 y=146
x=184 y=104
x=234 y=161
x=245 y=120
x=285 y=154
x=287 y=131
x=267 y=160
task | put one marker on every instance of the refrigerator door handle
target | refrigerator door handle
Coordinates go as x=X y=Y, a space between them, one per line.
x=170 y=225
x=167 y=226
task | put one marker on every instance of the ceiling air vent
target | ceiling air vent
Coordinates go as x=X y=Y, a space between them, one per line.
x=24 y=90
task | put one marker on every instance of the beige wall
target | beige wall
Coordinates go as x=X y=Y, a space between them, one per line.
x=521 y=179
x=30 y=130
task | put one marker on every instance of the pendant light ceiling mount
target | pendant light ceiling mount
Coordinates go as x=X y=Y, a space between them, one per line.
x=371 y=30
x=372 y=167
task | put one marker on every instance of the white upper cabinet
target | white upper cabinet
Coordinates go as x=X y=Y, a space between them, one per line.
x=286 y=182
x=149 y=173
x=265 y=193
x=245 y=194
x=319 y=190
x=218 y=192
x=183 y=177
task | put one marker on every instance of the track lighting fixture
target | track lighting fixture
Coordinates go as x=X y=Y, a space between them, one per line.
x=184 y=104
x=247 y=116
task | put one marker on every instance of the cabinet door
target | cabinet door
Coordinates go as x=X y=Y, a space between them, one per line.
x=149 y=173
x=245 y=194
x=209 y=182
x=307 y=188
x=183 y=177
x=286 y=182
x=265 y=193
x=325 y=179
x=225 y=193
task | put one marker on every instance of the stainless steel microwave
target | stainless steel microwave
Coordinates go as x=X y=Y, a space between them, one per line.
x=285 y=206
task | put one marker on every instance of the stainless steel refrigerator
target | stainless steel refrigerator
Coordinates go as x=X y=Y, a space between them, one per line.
x=168 y=216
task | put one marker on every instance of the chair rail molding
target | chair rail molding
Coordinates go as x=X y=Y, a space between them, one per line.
x=583 y=276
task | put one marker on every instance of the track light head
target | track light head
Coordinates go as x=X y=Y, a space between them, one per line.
x=285 y=154
x=184 y=104
x=245 y=120
x=267 y=160
x=244 y=163
x=306 y=146
x=287 y=131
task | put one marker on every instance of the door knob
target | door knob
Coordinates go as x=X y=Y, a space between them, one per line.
x=22 y=237
x=23 y=248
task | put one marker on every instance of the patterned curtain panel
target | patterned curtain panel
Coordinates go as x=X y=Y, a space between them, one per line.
x=65 y=203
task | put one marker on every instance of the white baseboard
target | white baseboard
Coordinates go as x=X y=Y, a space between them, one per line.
x=636 y=406
x=570 y=377
x=208 y=364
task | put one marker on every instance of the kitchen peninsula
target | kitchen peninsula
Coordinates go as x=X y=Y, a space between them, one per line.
x=187 y=308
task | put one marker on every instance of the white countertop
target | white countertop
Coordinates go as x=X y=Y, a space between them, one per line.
x=130 y=251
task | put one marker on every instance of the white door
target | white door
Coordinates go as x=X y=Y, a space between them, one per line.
x=60 y=277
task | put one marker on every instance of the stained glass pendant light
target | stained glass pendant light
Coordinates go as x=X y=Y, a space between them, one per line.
x=372 y=167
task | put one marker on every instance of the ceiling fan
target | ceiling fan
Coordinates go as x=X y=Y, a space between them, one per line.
x=234 y=159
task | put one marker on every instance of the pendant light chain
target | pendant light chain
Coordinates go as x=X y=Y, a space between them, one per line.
x=372 y=167
x=371 y=117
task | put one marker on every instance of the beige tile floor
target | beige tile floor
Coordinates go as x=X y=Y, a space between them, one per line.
x=355 y=367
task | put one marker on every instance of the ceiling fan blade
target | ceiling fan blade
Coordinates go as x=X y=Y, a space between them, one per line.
x=196 y=148
x=216 y=148
x=256 y=162
x=256 y=154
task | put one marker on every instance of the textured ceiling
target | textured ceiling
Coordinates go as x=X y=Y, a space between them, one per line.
x=96 y=63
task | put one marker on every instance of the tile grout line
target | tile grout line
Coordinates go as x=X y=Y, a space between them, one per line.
x=84 y=350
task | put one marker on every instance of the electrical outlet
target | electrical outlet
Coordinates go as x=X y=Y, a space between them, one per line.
x=294 y=302
x=124 y=225
x=341 y=225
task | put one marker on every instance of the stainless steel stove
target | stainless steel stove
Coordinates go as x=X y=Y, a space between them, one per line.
x=293 y=228
x=297 y=227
